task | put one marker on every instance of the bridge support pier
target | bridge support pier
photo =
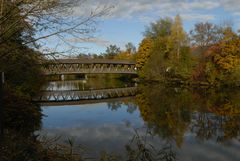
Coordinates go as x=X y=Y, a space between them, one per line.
x=62 y=77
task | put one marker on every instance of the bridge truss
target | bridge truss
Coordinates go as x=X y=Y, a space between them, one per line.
x=100 y=66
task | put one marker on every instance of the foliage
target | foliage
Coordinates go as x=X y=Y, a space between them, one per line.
x=213 y=59
x=177 y=38
x=130 y=48
x=124 y=55
x=223 y=60
x=128 y=54
x=169 y=57
x=160 y=28
x=22 y=19
x=112 y=51
x=205 y=34
x=143 y=52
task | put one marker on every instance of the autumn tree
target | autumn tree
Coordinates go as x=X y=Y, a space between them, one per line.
x=177 y=38
x=154 y=33
x=223 y=60
x=170 y=55
x=204 y=34
x=143 y=52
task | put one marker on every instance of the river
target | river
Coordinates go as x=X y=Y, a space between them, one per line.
x=188 y=124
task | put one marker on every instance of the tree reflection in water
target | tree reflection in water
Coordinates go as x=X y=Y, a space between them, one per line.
x=128 y=102
x=166 y=111
x=172 y=112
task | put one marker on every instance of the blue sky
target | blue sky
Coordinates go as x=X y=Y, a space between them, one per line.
x=127 y=19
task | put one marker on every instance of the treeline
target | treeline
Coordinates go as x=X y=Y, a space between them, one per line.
x=208 y=55
x=113 y=52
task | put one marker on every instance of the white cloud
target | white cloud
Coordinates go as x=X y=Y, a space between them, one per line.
x=230 y=5
x=97 y=41
x=197 y=17
x=136 y=8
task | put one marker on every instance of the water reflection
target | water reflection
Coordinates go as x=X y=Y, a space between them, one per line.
x=68 y=92
x=197 y=124
x=172 y=112
x=86 y=84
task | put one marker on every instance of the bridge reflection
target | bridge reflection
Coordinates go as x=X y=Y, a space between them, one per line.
x=88 y=96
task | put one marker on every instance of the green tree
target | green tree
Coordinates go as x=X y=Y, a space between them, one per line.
x=162 y=27
x=170 y=54
x=153 y=44
x=130 y=48
x=112 y=51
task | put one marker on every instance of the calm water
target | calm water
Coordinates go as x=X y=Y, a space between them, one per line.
x=198 y=125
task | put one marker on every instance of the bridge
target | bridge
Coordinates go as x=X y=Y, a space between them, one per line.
x=88 y=66
x=64 y=97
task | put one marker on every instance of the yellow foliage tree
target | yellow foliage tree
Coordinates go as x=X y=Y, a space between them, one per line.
x=124 y=55
x=143 y=53
x=227 y=53
x=177 y=38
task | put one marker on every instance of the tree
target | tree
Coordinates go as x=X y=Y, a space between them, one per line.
x=204 y=34
x=130 y=48
x=112 y=51
x=30 y=21
x=169 y=57
x=143 y=52
x=177 y=38
x=222 y=60
x=162 y=27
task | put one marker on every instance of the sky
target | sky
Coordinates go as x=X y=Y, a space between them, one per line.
x=127 y=19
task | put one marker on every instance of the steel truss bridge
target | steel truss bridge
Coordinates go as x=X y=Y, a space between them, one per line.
x=87 y=66
x=74 y=96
